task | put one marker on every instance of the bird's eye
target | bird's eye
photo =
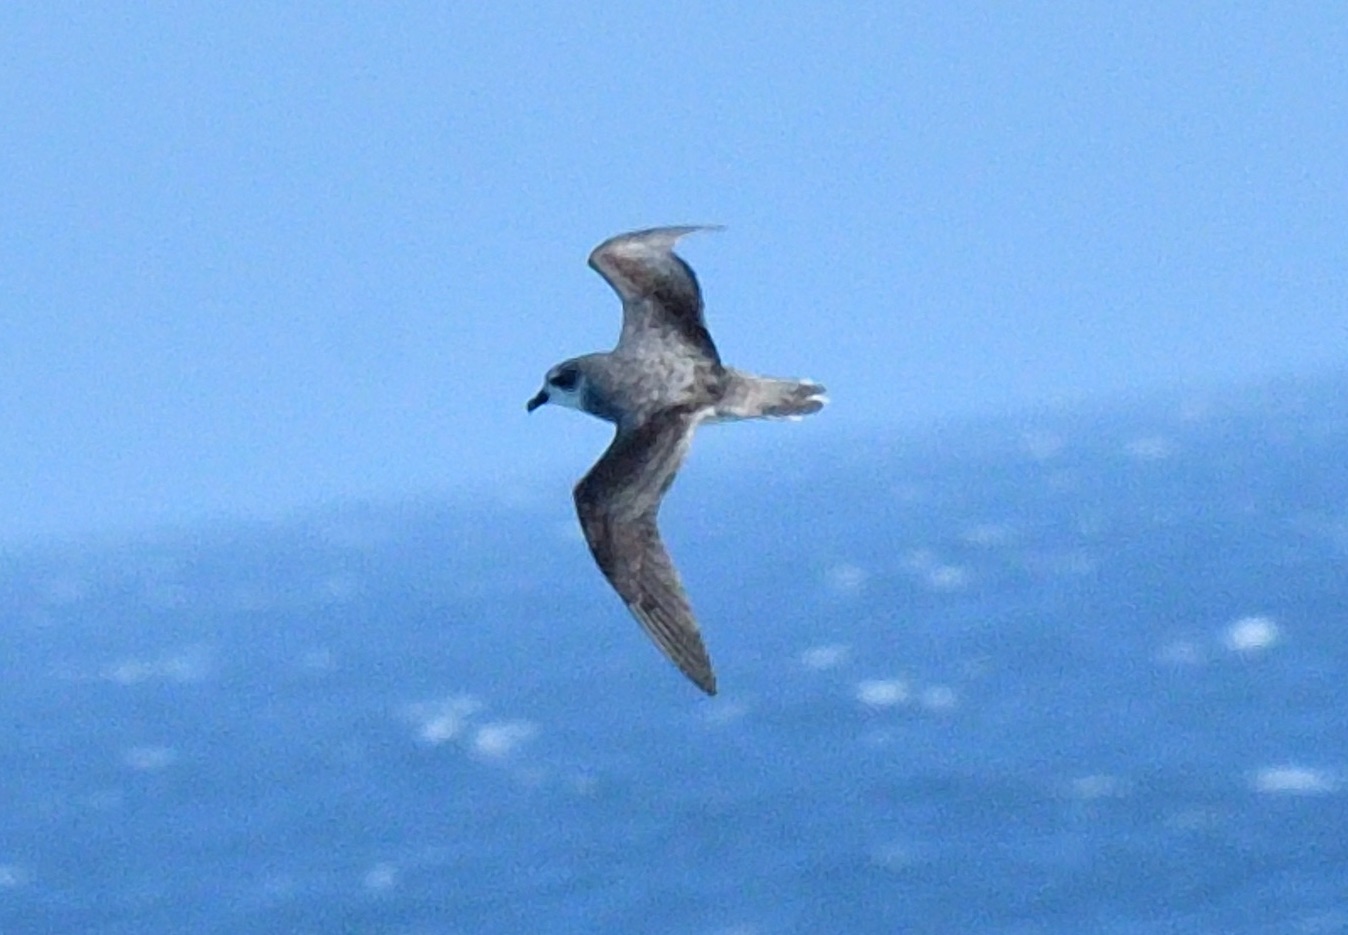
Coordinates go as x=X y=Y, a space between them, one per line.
x=566 y=380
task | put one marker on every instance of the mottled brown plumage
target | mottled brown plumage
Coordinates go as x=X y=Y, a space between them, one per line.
x=617 y=502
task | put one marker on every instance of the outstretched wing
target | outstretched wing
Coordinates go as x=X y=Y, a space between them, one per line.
x=617 y=502
x=662 y=302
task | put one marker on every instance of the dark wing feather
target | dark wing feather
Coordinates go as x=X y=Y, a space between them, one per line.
x=617 y=502
x=662 y=301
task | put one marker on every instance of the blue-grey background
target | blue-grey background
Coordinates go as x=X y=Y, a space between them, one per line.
x=258 y=256
x=1038 y=628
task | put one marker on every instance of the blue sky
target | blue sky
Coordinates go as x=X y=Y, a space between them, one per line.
x=257 y=256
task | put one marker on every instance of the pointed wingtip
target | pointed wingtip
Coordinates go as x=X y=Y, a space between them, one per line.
x=696 y=666
x=658 y=238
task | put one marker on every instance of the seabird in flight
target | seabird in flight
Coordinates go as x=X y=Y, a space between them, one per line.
x=662 y=380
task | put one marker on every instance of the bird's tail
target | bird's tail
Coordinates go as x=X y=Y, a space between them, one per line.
x=752 y=397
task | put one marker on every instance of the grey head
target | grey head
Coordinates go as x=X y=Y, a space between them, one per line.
x=581 y=383
x=564 y=385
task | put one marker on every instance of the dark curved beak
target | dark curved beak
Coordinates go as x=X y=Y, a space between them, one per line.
x=537 y=401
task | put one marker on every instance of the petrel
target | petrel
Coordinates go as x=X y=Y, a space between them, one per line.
x=662 y=380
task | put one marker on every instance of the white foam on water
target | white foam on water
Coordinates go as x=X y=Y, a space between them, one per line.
x=13 y=876
x=1250 y=635
x=437 y=722
x=939 y=698
x=380 y=878
x=846 y=579
x=895 y=855
x=938 y=575
x=1098 y=786
x=183 y=666
x=948 y=578
x=920 y=560
x=129 y=671
x=1290 y=779
x=883 y=693
x=826 y=656
x=500 y=739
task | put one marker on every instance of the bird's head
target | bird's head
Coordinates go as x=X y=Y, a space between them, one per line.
x=563 y=386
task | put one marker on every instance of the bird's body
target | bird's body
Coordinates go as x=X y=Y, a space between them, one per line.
x=662 y=380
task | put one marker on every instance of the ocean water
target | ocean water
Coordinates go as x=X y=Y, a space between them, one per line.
x=1076 y=672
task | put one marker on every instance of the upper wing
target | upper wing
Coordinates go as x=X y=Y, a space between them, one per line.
x=661 y=297
x=617 y=502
